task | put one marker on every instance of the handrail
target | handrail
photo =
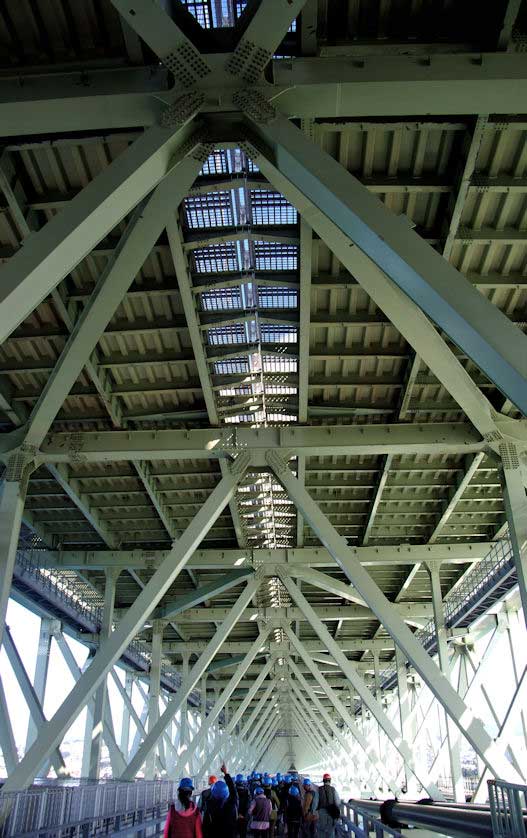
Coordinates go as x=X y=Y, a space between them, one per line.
x=495 y=569
x=61 y=809
x=357 y=821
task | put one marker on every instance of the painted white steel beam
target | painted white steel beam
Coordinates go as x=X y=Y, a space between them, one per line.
x=52 y=732
x=204 y=592
x=487 y=336
x=12 y=498
x=348 y=668
x=328 y=583
x=199 y=740
x=405 y=315
x=409 y=611
x=63 y=242
x=154 y=689
x=7 y=739
x=336 y=440
x=302 y=557
x=94 y=744
x=40 y=677
x=231 y=726
x=116 y=756
x=516 y=506
x=157 y=29
x=453 y=736
x=179 y=701
x=472 y=465
x=305 y=258
x=32 y=700
x=470 y=726
x=262 y=37
x=304 y=87
x=372 y=756
x=127 y=259
x=188 y=302
x=376 y=85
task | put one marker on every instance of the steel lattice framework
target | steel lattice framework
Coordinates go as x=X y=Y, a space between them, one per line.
x=263 y=376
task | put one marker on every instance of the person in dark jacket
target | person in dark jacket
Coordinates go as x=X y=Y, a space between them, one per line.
x=293 y=812
x=260 y=814
x=205 y=795
x=244 y=799
x=221 y=816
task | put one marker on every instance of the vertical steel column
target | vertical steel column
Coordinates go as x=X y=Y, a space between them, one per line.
x=183 y=725
x=404 y=714
x=125 y=726
x=7 y=740
x=94 y=744
x=41 y=674
x=453 y=739
x=516 y=640
x=12 y=499
x=153 y=693
x=516 y=508
x=203 y=700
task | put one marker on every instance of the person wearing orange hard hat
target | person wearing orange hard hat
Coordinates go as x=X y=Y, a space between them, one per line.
x=205 y=794
x=328 y=808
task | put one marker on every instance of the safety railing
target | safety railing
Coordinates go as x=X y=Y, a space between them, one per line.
x=86 y=810
x=65 y=587
x=508 y=802
x=489 y=579
x=358 y=822
x=59 y=585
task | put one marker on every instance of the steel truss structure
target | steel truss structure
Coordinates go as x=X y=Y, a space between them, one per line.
x=263 y=380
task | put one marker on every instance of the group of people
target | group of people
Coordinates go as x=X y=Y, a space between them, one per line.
x=260 y=804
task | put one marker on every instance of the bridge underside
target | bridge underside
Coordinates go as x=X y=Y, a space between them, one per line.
x=263 y=380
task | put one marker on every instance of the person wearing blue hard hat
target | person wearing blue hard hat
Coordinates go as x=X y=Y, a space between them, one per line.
x=184 y=818
x=293 y=811
x=244 y=798
x=271 y=795
x=221 y=815
x=260 y=814
x=309 y=809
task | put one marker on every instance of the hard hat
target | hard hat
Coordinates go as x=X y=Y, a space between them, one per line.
x=294 y=791
x=186 y=783
x=240 y=778
x=306 y=781
x=220 y=790
x=274 y=781
x=212 y=779
x=326 y=777
x=287 y=778
x=258 y=790
x=278 y=775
